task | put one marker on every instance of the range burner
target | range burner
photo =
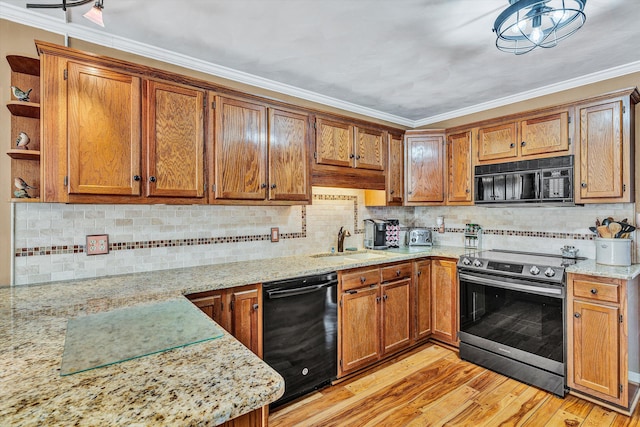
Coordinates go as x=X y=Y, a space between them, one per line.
x=545 y=267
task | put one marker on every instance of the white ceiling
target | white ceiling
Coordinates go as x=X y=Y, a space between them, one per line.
x=412 y=62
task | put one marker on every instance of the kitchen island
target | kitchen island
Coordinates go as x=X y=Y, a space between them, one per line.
x=201 y=384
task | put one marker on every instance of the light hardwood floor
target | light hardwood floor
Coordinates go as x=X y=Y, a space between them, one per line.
x=431 y=386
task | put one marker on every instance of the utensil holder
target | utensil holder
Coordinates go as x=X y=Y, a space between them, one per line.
x=615 y=252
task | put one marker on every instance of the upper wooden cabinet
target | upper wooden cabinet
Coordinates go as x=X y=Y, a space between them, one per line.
x=498 y=142
x=425 y=167
x=538 y=135
x=240 y=150
x=334 y=143
x=605 y=168
x=289 y=172
x=459 y=191
x=395 y=170
x=369 y=148
x=103 y=127
x=174 y=141
x=251 y=164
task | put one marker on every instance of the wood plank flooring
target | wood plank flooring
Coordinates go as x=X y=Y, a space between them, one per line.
x=431 y=386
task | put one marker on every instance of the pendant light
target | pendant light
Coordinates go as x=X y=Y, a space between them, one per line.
x=527 y=24
x=94 y=14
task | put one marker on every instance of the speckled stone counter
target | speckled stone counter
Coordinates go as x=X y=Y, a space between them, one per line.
x=591 y=268
x=202 y=384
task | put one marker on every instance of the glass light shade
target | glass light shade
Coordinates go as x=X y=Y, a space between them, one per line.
x=527 y=24
x=95 y=15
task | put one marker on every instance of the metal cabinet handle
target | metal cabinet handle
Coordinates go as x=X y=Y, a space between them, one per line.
x=351 y=156
x=137 y=177
x=410 y=192
x=152 y=179
x=263 y=185
x=255 y=306
x=512 y=145
x=419 y=273
x=398 y=272
x=583 y=185
x=363 y=279
x=523 y=143
x=358 y=157
x=377 y=299
x=576 y=315
x=467 y=191
x=594 y=291
x=273 y=186
x=391 y=191
x=385 y=297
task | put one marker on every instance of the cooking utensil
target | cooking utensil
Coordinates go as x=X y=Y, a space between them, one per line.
x=607 y=221
x=604 y=232
x=593 y=230
x=598 y=222
x=614 y=229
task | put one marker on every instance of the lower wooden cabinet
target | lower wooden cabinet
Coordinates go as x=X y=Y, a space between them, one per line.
x=257 y=418
x=422 y=299
x=238 y=310
x=444 y=301
x=359 y=328
x=598 y=351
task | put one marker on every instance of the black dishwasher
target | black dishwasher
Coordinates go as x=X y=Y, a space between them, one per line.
x=300 y=332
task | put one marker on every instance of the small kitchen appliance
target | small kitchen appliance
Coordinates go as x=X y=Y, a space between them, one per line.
x=393 y=233
x=419 y=237
x=375 y=234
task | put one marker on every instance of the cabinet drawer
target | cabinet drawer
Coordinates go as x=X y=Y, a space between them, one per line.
x=596 y=290
x=360 y=278
x=395 y=272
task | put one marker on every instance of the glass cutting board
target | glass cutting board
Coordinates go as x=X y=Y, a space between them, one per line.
x=103 y=339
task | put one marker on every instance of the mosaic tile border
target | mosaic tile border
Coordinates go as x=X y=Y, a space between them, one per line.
x=520 y=233
x=121 y=246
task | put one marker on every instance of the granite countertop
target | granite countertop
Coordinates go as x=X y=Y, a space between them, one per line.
x=201 y=384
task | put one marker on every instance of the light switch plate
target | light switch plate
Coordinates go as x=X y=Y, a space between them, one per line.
x=275 y=234
x=97 y=244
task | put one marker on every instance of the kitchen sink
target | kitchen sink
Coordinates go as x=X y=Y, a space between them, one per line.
x=348 y=257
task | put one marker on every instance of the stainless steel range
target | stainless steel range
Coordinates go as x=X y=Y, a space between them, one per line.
x=512 y=321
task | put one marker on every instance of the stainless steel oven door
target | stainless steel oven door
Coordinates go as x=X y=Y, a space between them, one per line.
x=516 y=318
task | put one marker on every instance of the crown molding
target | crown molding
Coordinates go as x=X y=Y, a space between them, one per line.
x=632 y=67
x=46 y=22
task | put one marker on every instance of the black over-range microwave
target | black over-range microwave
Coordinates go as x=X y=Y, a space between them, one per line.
x=548 y=181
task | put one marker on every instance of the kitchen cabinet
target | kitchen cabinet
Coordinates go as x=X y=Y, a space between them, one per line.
x=395 y=292
x=174 y=143
x=605 y=169
x=444 y=301
x=25 y=117
x=425 y=167
x=393 y=195
x=251 y=165
x=369 y=148
x=539 y=134
x=422 y=299
x=238 y=310
x=459 y=190
x=598 y=321
x=358 y=319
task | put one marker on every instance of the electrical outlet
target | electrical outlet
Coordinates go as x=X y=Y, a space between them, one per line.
x=97 y=244
x=275 y=234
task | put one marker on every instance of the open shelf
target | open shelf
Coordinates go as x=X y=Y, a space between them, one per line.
x=24 y=109
x=24 y=65
x=24 y=154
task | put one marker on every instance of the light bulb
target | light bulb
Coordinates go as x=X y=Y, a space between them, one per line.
x=558 y=15
x=536 y=35
x=519 y=27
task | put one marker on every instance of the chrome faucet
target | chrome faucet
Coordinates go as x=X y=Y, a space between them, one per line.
x=341 y=235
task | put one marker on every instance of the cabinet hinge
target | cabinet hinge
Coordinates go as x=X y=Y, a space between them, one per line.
x=340 y=303
x=624 y=187
x=315 y=125
x=569 y=122
x=340 y=363
x=624 y=110
x=213 y=105
x=315 y=155
x=66 y=74
x=213 y=188
x=221 y=307
x=621 y=388
x=569 y=141
x=231 y=304
x=66 y=180
x=620 y=318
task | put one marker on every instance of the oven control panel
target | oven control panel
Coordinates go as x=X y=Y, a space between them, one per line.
x=524 y=270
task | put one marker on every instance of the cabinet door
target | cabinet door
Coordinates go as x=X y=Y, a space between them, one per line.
x=396 y=332
x=395 y=170
x=547 y=134
x=240 y=150
x=460 y=169
x=289 y=177
x=596 y=344
x=174 y=141
x=246 y=317
x=104 y=136
x=497 y=142
x=601 y=151
x=334 y=143
x=213 y=305
x=359 y=328
x=422 y=297
x=425 y=168
x=444 y=294
x=369 y=149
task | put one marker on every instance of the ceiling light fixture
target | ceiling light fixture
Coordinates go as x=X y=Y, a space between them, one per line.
x=527 y=24
x=94 y=14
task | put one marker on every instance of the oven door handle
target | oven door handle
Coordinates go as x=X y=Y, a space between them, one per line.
x=511 y=285
x=299 y=291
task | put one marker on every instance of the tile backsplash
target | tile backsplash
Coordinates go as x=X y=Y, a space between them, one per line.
x=49 y=239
